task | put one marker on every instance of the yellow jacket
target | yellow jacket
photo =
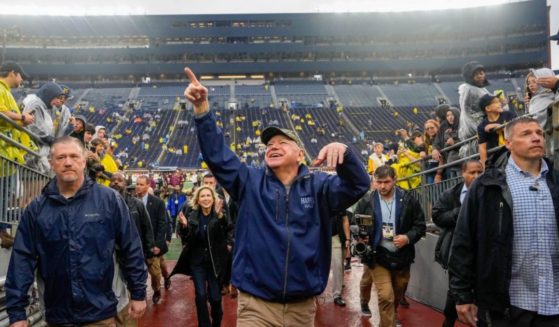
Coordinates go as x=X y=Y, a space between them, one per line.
x=403 y=169
x=8 y=103
x=110 y=166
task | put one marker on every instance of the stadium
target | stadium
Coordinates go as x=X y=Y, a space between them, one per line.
x=357 y=78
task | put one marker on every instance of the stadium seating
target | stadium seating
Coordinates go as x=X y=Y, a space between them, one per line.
x=358 y=110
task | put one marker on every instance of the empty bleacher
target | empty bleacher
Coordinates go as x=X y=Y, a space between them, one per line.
x=406 y=95
x=302 y=94
x=451 y=91
x=357 y=95
x=253 y=96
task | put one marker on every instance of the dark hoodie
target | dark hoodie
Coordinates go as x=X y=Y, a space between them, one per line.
x=440 y=112
x=79 y=135
x=447 y=131
x=470 y=113
x=468 y=73
x=49 y=91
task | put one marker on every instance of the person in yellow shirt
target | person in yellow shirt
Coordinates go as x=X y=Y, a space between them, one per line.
x=410 y=152
x=376 y=159
x=11 y=76
x=104 y=153
x=109 y=163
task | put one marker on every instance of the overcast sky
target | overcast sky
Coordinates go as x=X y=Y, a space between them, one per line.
x=162 y=7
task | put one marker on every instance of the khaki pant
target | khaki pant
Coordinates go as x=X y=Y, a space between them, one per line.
x=365 y=285
x=391 y=286
x=163 y=265
x=123 y=319
x=101 y=323
x=157 y=267
x=337 y=267
x=255 y=312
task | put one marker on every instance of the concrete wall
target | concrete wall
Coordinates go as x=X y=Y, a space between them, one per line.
x=429 y=282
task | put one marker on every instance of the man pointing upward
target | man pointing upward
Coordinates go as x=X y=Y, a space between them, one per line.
x=283 y=236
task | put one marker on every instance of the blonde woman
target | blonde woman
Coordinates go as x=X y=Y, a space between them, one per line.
x=204 y=255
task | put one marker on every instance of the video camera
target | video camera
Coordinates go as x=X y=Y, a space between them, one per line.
x=365 y=224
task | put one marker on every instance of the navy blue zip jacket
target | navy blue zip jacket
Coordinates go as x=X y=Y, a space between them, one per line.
x=283 y=240
x=70 y=243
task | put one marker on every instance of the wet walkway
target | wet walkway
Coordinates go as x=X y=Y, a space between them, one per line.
x=177 y=307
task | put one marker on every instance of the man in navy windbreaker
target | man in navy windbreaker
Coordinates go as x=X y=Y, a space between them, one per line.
x=68 y=235
x=283 y=234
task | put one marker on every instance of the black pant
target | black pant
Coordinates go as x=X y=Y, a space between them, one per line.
x=516 y=318
x=450 y=314
x=207 y=289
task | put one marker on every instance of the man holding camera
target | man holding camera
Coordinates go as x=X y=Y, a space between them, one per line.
x=398 y=223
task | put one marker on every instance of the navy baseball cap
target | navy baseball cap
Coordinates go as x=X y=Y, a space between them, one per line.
x=10 y=66
x=486 y=99
x=67 y=91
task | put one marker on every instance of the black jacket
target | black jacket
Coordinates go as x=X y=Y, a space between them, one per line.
x=192 y=253
x=445 y=132
x=187 y=210
x=141 y=220
x=481 y=261
x=158 y=216
x=445 y=214
x=338 y=226
x=410 y=220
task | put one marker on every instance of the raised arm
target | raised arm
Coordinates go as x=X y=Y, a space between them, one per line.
x=223 y=163
x=351 y=181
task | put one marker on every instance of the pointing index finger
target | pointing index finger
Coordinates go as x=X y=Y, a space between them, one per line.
x=190 y=74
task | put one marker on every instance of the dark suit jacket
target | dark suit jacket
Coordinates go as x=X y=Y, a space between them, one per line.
x=158 y=217
x=141 y=219
x=445 y=215
x=446 y=209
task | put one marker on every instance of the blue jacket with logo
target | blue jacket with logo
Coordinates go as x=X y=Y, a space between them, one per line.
x=283 y=240
x=70 y=244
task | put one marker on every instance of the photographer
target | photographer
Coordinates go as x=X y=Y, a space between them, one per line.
x=96 y=169
x=398 y=223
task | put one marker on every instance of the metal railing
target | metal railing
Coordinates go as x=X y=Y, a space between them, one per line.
x=19 y=184
x=34 y=314
x=428 y=194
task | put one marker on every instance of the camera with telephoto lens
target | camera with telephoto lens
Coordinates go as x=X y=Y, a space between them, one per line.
x=365 y=224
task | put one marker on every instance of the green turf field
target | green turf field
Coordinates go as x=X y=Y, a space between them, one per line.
x=174 y=250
